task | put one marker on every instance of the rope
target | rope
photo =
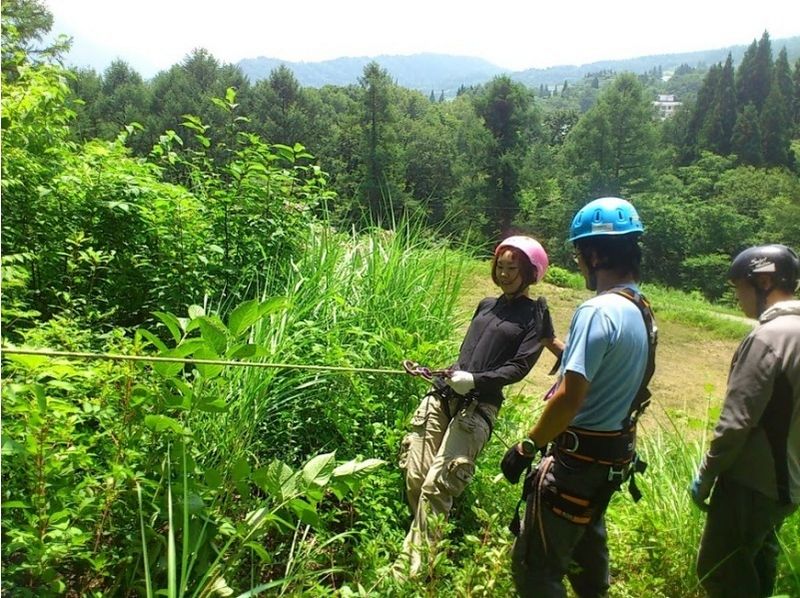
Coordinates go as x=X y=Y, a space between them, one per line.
x=223 y=362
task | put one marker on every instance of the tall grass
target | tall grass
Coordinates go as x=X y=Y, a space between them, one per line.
x=360 y=300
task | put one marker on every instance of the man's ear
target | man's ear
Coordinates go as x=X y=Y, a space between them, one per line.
x=594 y=260
x=764 y=282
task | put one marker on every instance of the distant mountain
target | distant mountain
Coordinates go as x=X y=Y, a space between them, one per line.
x=642 y=64
x=425 y=72
x=445 y=73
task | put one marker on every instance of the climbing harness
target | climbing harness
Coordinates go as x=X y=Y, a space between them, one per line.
x=465 y=404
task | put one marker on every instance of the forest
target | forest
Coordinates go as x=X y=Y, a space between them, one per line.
x=197 y=215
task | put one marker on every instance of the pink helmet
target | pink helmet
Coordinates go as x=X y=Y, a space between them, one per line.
x=532 y=249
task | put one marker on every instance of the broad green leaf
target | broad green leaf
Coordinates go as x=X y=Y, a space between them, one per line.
x=41 y=397
x=278 y=480
x=213 y=478
x=356 y=468
x=196 y=311
x=185 y=349
x=240 y=469
x=213 y=332
x=58 y=516
x=172 y=323
x=28 y=361
x=305 y=511
x=62 y=384
x=216 y=405
x=160 y=423
x=152 y=338
x=139 y=393
x=244 y=316
x=241 y=350
x=208 y=371
x=319 y=469
x=260 y=551
x=272 y=304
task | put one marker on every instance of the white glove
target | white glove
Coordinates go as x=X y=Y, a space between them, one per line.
x=461 y=382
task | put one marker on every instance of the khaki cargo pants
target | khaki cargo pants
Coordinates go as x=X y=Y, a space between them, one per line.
x=438 y=457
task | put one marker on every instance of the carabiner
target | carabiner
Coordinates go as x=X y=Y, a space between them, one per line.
x=415 y=369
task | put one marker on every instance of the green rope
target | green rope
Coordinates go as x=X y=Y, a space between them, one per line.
x=223 y=362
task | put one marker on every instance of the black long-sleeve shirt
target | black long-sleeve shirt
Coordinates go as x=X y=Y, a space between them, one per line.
x=503 y=342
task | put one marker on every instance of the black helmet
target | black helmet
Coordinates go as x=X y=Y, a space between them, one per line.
x=778 y=261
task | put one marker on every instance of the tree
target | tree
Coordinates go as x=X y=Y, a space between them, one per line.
x=25 y=23
x=796 y=96
x=507 y=110
x=124 y=99
x=775 y=128
x=611 y=149
x=559 y=123
x=189 y=88
x=279 y=108
x=379 y=187
x=755 y=74
x=87 y=89
x=430 y=149
x=746 y=141
x=725 y=109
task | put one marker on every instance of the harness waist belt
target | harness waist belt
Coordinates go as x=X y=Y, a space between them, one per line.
x=445 y=394
x=607 y=448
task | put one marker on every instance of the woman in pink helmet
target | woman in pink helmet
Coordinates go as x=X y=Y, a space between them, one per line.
x=454 y=421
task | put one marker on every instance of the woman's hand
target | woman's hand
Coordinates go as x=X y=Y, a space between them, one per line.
x=460 y=381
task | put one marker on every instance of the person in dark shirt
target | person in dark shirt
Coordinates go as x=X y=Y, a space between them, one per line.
x=454 y=421
x=749 y=480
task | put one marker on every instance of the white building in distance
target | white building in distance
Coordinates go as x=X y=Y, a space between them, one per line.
x=666 y=106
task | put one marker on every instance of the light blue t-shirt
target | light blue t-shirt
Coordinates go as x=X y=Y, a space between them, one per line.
x=607 y=345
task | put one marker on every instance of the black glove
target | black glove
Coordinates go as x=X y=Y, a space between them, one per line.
x=513 y=464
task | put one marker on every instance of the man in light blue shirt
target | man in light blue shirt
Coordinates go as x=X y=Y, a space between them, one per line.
x=589 y=421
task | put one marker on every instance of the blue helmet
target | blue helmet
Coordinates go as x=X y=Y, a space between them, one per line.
x=605 y=216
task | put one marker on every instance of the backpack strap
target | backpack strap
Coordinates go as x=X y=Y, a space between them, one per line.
x=642 y=398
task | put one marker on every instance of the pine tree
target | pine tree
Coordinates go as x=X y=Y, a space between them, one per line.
x=783 y=75
x=441 y=97
x=747 y=137
x=755 y=74
x=378 y=120
x=796 y=96
x=431 y=97
x=775 y=128
x=507 y=109
x=725 y=107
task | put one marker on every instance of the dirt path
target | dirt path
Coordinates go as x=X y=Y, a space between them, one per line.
x=691 y=370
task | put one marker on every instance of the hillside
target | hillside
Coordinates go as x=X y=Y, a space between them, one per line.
x=446 y=73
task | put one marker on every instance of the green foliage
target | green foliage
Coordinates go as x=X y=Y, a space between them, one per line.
x=610 y=150
x=93 y=451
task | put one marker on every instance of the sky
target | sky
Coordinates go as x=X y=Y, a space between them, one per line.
x=152 y=35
